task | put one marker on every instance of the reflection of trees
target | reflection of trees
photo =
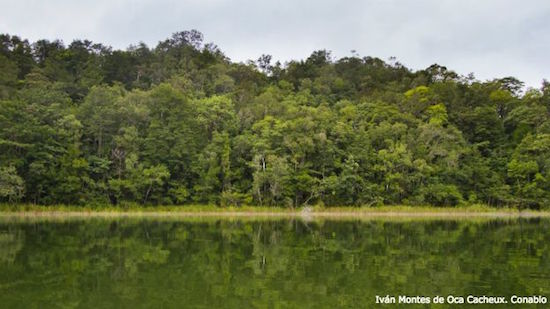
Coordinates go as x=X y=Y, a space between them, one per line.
x=266 y=263
x=10 y=243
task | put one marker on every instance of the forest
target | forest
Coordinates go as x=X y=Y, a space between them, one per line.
x=180 y=123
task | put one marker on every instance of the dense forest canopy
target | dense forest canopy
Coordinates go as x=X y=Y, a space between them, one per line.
x=180 y=123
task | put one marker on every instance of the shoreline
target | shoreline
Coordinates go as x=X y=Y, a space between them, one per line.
x=33 y=211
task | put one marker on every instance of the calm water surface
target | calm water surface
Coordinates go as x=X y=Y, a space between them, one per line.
x=151 y=263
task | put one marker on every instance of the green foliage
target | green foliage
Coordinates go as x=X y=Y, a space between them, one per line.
x=529 y=170
x=179 y=123
x=11 y=185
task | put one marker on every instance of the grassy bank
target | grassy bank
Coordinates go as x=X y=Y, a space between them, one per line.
x=211 y=210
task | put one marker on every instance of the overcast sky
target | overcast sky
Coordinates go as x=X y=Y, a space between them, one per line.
x=491 y=38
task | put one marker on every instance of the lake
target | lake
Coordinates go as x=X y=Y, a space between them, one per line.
x=266 y=263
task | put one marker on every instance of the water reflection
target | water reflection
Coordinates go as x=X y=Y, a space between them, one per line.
x=100 y=263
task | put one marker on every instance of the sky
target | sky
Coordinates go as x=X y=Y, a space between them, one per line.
x=490 y=38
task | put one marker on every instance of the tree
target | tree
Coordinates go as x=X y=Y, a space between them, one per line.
x=529 y=170
x=180 y=122
x=11 y=185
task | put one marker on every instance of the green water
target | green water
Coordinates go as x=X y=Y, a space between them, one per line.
x=147 y=263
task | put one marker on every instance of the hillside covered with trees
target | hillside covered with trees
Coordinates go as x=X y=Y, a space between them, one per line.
x=180 y=123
